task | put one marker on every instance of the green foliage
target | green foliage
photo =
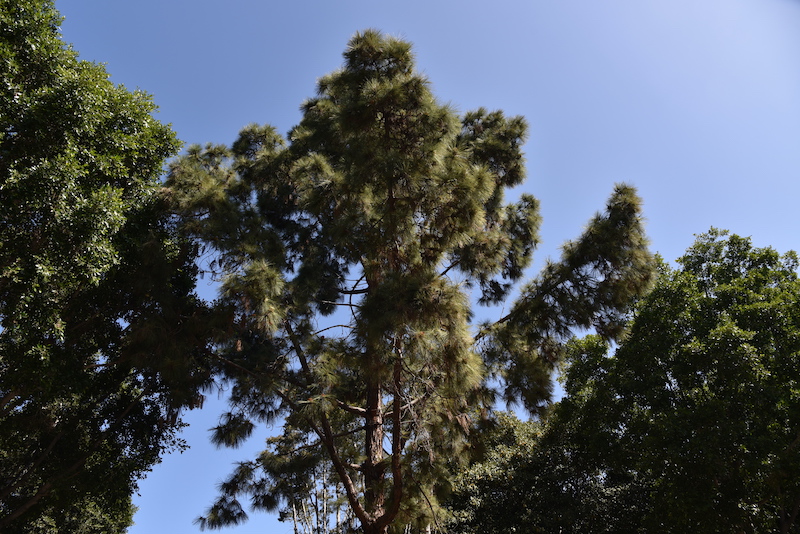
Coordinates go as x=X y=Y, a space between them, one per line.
x=92 y=515
x=385 y=205
x=542 y=476
x=692 y=425
x=487 y=491
x=99 y=329
x=291 y=476
x=591 y=287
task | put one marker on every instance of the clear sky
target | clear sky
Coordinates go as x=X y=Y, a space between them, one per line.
x=695 y=102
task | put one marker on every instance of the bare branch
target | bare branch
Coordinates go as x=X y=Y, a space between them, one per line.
x=332 y=327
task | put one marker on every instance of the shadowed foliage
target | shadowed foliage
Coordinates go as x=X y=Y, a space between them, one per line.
x=692 y=425
x=100 y=333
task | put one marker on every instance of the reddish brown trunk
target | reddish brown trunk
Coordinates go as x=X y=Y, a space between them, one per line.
x=373 y=469
x=380 y=513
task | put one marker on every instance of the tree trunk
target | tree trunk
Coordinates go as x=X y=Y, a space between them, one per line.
x=373 y=469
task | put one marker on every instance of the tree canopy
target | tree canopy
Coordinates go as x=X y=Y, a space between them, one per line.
x=100 y=334
x=348 y=254
x=691 y=426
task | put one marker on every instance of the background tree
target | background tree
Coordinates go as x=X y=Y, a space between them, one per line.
x=694 y=423
x=485 y=492
x=540 y=476
x=98 y=322
x=388 y=207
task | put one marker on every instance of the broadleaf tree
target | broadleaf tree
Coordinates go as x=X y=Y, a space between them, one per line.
x=692 y=425
x=348 y=255
x=101 y=336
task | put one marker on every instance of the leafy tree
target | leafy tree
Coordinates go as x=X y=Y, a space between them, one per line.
x=693 y=424
x=537 y=477
x=97 y=315
x=486 y=492
x=93 y=515
x=388 y=207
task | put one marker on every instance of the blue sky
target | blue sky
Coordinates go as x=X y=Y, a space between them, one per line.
x=695 y=102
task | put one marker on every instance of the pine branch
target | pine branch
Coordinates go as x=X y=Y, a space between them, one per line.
x=354 y=291
x=298 y=350
x=352 y=494
x=350 y=327
x=355 y=410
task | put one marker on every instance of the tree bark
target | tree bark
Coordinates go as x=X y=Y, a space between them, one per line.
x=373 y=469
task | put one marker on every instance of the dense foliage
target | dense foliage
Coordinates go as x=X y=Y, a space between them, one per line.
x=388 y=207
x=693 y=425
x=96 y=293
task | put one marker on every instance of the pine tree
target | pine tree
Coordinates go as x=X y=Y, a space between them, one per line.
x=348 y=257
